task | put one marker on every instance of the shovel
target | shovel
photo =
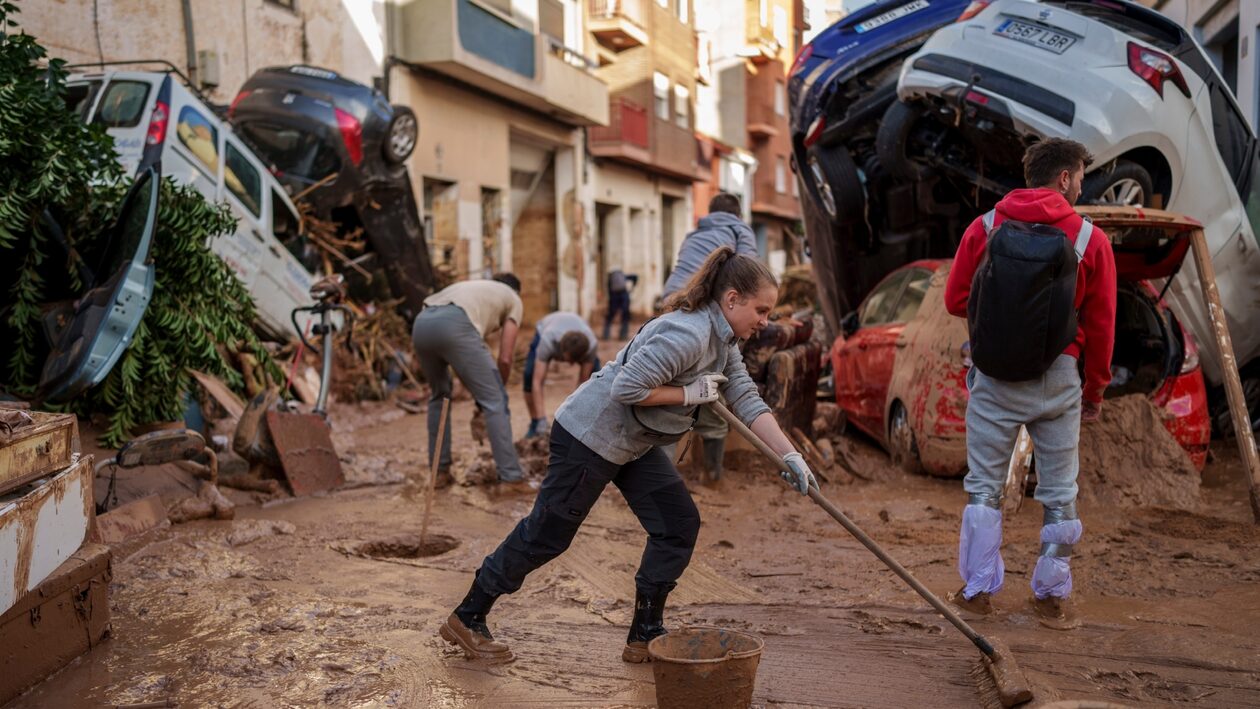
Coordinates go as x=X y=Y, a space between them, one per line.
x=1013 y=688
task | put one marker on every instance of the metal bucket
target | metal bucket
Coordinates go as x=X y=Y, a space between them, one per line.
x=701 y=667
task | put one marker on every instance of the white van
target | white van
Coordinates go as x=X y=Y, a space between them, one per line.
x=153 y=117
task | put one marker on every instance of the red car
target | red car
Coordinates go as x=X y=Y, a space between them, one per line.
x=901 y=361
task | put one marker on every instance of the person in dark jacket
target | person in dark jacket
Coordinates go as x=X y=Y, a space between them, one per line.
x=1052 y=407
x=723 y=227
x=619 y=286
x=610 y=430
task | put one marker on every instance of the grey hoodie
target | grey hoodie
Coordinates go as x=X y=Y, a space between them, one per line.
x=712 y=232
x=672 y=350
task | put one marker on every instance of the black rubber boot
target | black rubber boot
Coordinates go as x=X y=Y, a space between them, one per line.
x=714 y=452
x=467 y=628
x=647 y=624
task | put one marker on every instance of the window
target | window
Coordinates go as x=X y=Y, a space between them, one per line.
x=878 y=307
x=912 y=296
x=284 y=224
x=663 y=3
x=292 y=153
x=551 y=19
x=123 y=104
x=781 y=26
x=683 y=12
x=796 y=188
x=1251 y=199
x=660 y=91
x=780 y=175
x=682 y=105
x=201 y=138
x=79 y=97
x=764 y=12
x=780 y=98
x=242 y=179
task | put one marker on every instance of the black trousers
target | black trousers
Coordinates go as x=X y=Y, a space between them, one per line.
x=576 y=476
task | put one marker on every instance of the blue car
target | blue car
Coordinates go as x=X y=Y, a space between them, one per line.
x=861 y=220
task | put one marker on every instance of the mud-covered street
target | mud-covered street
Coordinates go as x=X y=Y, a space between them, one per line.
x=330 y=601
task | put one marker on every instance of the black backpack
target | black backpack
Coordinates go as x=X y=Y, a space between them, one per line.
x=1021 y=313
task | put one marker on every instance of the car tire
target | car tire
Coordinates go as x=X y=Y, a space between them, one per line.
x=401 y=135
x=1126 y=183
x=902 y=447
x=835 y=184
x=891 y=141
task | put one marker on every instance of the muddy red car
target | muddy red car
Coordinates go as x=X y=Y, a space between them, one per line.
x=901 y=361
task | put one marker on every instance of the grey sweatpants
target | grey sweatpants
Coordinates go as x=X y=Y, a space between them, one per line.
x=445 y=338
x=1051 y=409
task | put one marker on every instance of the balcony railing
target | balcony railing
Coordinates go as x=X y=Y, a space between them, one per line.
x=609 y=9
x=627 y=123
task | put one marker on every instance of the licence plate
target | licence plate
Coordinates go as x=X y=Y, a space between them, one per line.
x=1036 y=35
x=889 y=16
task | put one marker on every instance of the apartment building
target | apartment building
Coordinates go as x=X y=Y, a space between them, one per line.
x=742 y=109
x=645 y=160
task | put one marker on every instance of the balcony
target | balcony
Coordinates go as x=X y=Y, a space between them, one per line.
x=635 y=136
x=763 y=88
x=626 y=135
x=488 y=50
x=618 y=24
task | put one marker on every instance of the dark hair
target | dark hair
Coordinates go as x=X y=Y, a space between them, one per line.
x=722 y=271
x=575 y=346
x=1044 y=160
x=508 y=279
x=725 y=202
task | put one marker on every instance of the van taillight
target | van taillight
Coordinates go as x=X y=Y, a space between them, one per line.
x=239 y=97
x=157 y=124
x=1155 y=68
x=351 y=134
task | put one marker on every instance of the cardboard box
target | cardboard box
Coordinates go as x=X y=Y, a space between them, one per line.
x=41 y=525
x=64 y=617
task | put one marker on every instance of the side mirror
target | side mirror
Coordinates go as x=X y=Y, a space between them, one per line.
x=849 y=324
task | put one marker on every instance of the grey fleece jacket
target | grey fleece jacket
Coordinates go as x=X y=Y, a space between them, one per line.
x=672 y=350
x=712 y=232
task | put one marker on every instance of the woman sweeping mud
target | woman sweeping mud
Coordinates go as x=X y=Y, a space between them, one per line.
x=610 y=430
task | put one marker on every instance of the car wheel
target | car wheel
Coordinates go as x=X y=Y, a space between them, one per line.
x=901 y=444
x=400 y=137
x=892 y=139
x=837 y=187
x=1127 y=183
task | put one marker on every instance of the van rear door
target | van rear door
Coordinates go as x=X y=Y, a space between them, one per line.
x=124 y=105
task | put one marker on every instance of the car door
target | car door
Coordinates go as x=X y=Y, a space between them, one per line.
x=860 y=355
x=106 y=316
x=244 y=189
x=876 y=363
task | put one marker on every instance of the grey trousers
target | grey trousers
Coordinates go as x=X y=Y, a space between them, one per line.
x=445 y=338
x=1051 y=409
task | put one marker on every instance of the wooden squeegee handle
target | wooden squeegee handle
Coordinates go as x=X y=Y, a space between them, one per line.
x=861 y=536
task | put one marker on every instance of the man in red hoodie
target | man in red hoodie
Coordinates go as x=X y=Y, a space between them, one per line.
x=1052 y=406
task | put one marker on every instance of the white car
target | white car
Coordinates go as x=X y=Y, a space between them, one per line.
x=154 y=119
x=1137 y=91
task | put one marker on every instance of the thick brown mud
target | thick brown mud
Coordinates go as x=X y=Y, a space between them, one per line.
x=333 y=601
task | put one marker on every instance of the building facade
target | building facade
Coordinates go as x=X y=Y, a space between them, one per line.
x=1229 y=31
x=645 y=160
x=747 y=48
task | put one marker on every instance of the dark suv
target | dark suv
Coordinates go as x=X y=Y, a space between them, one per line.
x=347 y=145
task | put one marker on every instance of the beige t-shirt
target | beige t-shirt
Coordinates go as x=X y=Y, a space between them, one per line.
x=487 y=303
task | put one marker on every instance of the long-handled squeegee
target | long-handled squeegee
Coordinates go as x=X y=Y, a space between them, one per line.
x=1013 y=687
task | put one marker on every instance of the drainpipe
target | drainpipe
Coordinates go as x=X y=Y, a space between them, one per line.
x=190 y=44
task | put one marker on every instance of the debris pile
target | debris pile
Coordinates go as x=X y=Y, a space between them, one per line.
x=1128 y=458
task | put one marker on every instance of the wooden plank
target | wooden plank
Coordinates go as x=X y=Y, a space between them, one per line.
x=1229 y=368
x=220 y=392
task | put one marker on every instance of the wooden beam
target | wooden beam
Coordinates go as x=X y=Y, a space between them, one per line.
x=1229 y=368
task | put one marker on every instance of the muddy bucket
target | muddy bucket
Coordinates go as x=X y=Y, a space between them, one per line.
x=697 y=668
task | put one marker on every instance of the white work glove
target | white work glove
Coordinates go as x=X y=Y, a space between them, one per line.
x=704 y=389
x=798 y=474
